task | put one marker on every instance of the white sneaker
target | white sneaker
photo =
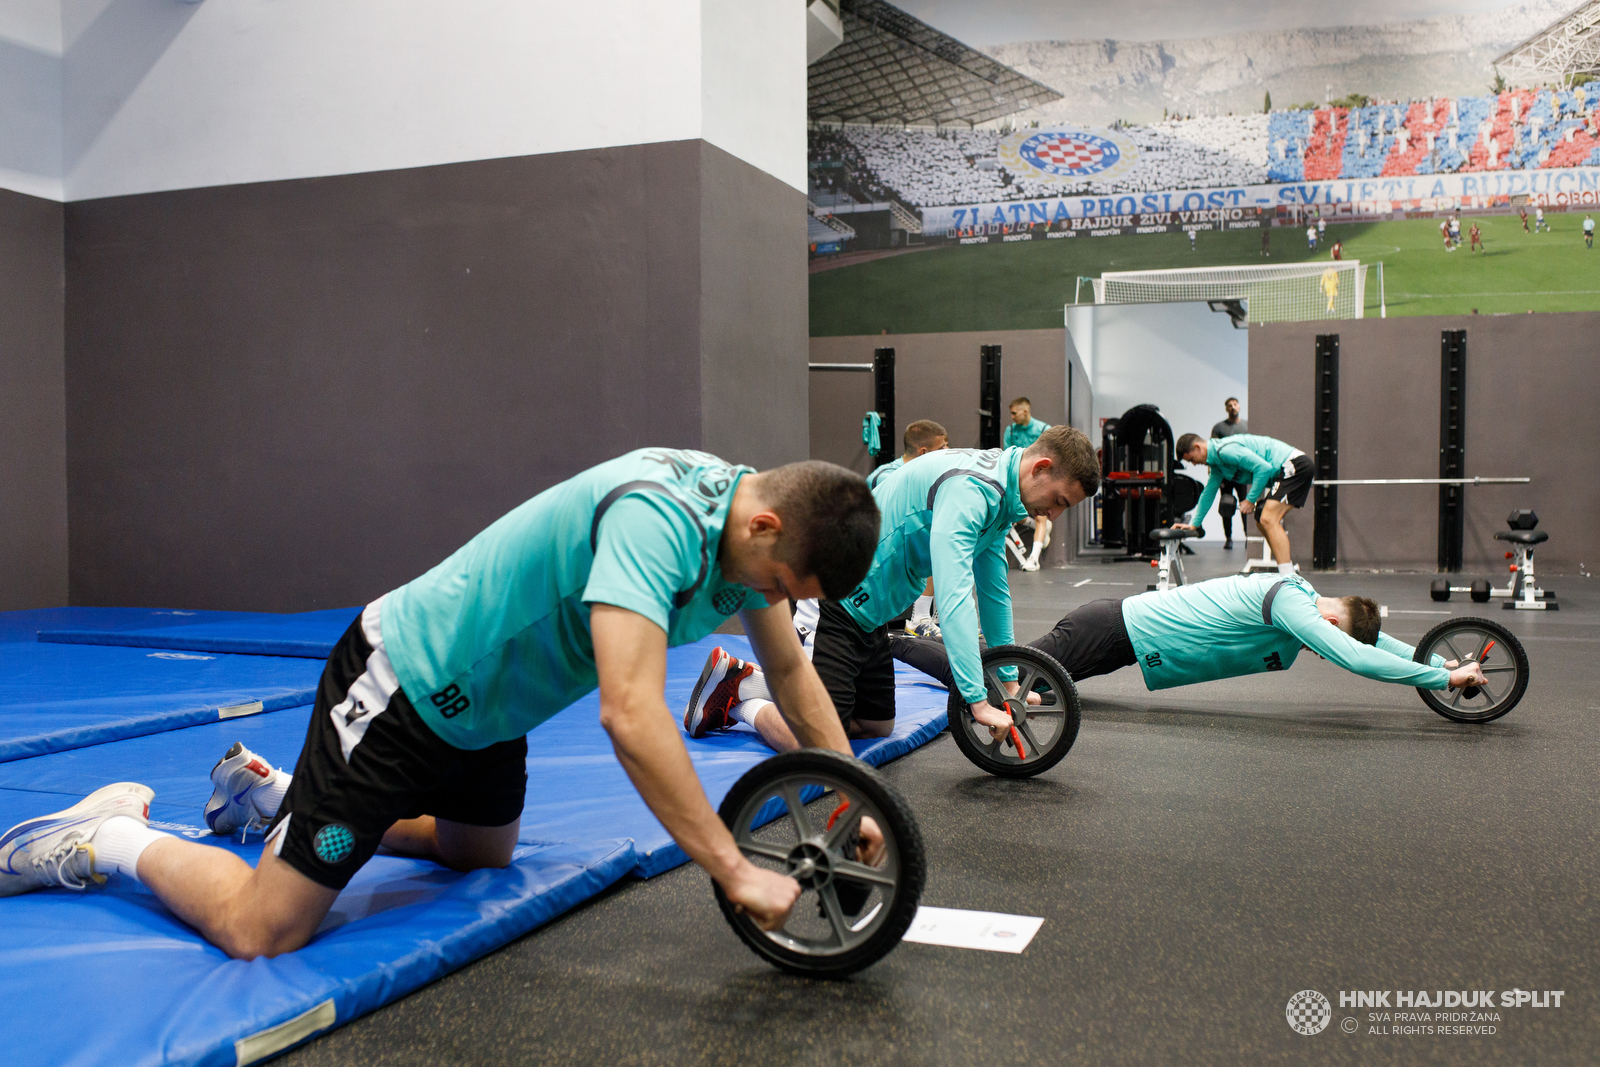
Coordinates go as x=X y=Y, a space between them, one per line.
x=1014 y=543
x=923 y=627
x=54 y=850
x=238 y=779
x=1031 y=563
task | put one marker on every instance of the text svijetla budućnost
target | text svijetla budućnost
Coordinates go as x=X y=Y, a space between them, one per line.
x=1450 y=998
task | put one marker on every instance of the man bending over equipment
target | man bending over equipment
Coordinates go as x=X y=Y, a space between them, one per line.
x=1022 y=431
x=945 y=515
x=921 y=437
x=1279 y=476
x=1222 y=628
x=417 y=741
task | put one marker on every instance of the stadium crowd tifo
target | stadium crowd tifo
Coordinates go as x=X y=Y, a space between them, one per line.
x=1525 y=146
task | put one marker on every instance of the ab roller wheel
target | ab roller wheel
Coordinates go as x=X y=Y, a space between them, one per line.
x=1495 y=649
x=851 y=912
x=1044 y=714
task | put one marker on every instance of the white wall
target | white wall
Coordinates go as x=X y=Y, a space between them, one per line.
x=161 y=94
x=30 y=97
x=1184 y=358
x=754 y=88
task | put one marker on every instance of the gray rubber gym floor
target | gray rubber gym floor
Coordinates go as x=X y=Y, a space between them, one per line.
x=1200 y=856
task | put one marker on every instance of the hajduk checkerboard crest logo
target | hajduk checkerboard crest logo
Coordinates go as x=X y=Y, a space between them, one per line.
x=1069 y=154
x=334 y=843
x=1309 y=1012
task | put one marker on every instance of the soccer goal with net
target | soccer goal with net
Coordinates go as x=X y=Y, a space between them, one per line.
x=1287 y=292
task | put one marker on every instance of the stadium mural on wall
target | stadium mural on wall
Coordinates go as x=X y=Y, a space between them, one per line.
x=1069 y=155
x=1576 y=186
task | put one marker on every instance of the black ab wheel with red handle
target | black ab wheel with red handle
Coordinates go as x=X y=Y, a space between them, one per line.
x=1497 y=652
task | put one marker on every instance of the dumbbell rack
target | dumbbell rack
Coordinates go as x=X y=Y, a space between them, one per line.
x=1522 y=591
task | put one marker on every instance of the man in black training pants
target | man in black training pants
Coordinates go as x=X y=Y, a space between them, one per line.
x=1222 y=628
x=1227 y=501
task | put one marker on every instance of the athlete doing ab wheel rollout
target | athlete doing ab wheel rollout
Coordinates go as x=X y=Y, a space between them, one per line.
x=945 y=516
x=1222 y=628
x=417 y=740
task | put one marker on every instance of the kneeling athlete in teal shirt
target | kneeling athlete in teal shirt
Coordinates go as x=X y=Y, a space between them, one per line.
x=417 y=740
x=945 y=516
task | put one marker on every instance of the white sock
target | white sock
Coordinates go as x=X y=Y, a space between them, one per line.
x=119 y=843
x=268 y=798
x=745 y=711
x=1286 y=568
x=922 y=608
x=755 y=687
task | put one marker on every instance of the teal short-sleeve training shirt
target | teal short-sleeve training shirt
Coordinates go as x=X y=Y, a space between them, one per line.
x=504 y=621
x=880 y=473
x=1024 y=435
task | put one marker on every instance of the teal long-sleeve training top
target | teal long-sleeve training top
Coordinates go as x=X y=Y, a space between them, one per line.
x=1250 y=624
x=1243 y=458
x=945 y=516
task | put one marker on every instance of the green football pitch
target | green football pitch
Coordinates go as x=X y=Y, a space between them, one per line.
x=1024 y=285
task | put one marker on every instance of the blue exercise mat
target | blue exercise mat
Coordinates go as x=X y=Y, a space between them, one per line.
x=111 y=977
x=574 y=780
x=401 y=923
x=25 y=625
x=576 y=784
x=56 y=697
x=310 y=634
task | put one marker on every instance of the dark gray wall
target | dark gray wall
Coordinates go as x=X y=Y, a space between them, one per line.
x=299 y=394
x=1532 y=395
x=33 y=438
x=936 y=377
x=837 y=401
x=754 y=313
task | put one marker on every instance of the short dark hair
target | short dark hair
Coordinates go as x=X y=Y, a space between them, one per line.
x=1188 y=441
x=1020 y=400
x=1232 y=398
x=830 y=522
x=1074 y=457
x=922 y=434
x=1365 y=622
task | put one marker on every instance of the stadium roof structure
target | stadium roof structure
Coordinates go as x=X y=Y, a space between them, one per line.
x=1570 y=45
x=893 y=68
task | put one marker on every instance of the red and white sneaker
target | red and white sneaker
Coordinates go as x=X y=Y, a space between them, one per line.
x=715 y=694
x=237 y=780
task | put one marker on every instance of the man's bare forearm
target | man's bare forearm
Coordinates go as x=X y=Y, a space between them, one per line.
x=645 y=738
x=808 y=709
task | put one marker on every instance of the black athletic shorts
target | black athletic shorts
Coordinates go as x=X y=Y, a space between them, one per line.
x=1089 y=642
x=854 y=665
x=369 y=760
x=1293 y=483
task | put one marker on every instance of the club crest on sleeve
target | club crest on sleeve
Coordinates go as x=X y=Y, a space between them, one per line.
x=728 y=600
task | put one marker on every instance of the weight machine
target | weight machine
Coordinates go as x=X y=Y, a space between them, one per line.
x=1141 y=487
